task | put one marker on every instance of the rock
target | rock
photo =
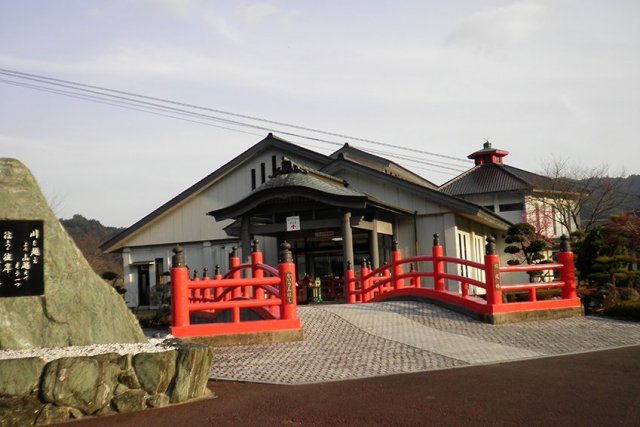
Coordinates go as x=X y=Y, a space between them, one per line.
x=130 y=400
x=155 y=370
x=120 y=389
x=19 y=411
x=51 y=414
x=159 y=400
x=78 y=307
x=19 y=377
x=193 y=368
x=83 y=382
x=129 y=379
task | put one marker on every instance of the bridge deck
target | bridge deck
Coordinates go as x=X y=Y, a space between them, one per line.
x=364 y=340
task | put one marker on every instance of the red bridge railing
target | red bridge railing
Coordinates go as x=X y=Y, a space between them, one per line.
x=268 y=292
x=401 y=278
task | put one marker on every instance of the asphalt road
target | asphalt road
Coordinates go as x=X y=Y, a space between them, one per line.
x=588 y=389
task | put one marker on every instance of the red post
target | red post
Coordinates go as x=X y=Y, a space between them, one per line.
x=492 y=272
x=438 y=264
x=257 y=258
x=217 y=276
x=365 y=282
x=568 y=271
x=396 y=256
x=234 y=261
x=179 y=289
x=351 y=284
x=287 y=272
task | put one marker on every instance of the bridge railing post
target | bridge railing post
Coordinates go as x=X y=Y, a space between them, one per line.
x=217 y=276
x=287 y=273
x=492 y=273
x=365 y=281
x=351 y=284
x=257 y=258
x=568 y=271
x=396 y=256
x=234 y=261
x=438 y=264
x=179 y=289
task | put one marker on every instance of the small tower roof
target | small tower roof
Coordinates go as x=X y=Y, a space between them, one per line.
x=488 y=155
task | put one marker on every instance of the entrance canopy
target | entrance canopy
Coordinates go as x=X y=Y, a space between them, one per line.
x=325 y=213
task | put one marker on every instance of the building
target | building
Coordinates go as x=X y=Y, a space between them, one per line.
x=514 y=194
x=335 y=210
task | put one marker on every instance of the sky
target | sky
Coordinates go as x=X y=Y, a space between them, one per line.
x=543 y=80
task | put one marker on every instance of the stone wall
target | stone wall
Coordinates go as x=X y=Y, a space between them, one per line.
x=33 y=391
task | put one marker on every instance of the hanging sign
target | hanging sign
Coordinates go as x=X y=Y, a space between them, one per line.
x=22 y=263
x=293 y=223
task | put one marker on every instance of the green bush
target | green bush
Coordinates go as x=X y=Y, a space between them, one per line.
x=627 y=310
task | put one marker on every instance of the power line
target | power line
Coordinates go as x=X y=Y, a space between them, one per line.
x=78 y=86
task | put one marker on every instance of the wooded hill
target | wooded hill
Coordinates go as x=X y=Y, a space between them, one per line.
x=88 y=234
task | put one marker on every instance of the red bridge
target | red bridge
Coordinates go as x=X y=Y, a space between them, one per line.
x=393 y=281
x=270 y=293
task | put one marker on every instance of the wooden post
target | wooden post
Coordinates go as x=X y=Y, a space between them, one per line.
x=234 y=262
x=492 y=273
x=568 y=271
x=438 y=264
x=257 y=258
x=217 y=276
x=287 y=272
x=396 y=267
x=351 y=285
x=179 y=289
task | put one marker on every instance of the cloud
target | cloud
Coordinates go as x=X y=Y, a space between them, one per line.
x=259 y=13
x=498 y=28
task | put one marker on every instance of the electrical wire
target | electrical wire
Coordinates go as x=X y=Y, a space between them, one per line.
x=83 y=86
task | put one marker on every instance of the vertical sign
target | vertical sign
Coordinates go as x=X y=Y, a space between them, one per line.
x=22 y=264
x=293 y=223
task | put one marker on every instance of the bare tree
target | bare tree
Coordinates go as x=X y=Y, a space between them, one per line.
x=580 y=196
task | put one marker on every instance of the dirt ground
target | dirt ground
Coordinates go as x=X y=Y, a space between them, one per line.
x=588 y=389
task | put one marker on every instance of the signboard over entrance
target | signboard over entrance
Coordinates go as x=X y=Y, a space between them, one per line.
x=22 y=263
x=293 y=223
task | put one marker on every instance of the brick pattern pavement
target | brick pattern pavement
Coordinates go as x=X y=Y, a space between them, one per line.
x=364 y=340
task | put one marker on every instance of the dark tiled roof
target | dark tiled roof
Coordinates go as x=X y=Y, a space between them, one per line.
x=493 y=178
x=313 y=180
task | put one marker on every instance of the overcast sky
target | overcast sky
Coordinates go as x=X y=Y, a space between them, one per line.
x=541 y=79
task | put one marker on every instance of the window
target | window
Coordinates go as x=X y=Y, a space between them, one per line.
x=509 y=207
x=263 y=173
x=273 y=165
x=253 y=179
x=490 y=207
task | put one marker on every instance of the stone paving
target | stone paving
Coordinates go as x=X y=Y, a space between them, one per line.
x=364 y=340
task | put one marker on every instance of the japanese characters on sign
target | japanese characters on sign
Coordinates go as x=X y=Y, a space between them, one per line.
x=22 y=263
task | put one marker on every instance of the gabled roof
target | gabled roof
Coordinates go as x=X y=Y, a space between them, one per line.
x=494 y=178
x=381 y=164
x=459 y=205
x=292 y=180
x=271 y=141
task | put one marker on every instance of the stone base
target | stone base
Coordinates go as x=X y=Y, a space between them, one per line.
x=528 y=316
x=502 y=318
x=33 y=391
x=269 y=337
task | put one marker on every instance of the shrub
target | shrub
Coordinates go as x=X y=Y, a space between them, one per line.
x=627 y=310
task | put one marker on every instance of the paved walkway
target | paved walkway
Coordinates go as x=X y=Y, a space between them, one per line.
x=367 y=340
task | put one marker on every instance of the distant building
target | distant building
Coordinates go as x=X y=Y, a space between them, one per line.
x=514 y=194
x=334 y=210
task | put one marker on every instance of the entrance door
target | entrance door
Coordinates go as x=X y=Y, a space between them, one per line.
x=144 y=286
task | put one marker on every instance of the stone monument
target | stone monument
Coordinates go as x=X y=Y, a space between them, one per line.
x=49 y=295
